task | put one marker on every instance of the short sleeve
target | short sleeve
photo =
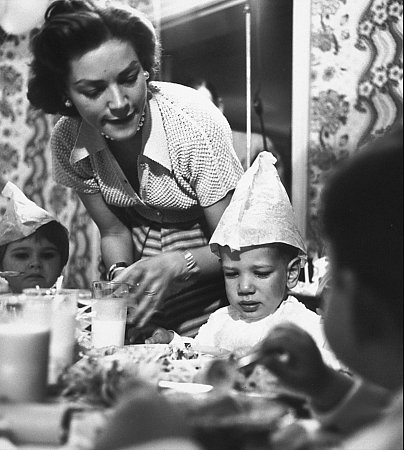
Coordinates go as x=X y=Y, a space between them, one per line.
x=78 y=176
x=200 y=143
x=215 y=167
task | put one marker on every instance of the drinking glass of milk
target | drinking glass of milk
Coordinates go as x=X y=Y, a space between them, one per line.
x=24 y=351
x=109 y=311
x=62 y=307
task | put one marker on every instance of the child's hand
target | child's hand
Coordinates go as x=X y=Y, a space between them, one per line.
x=293 y=356
x=160 y=336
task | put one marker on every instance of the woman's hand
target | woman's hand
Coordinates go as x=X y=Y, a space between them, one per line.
x=152 y=278
x=293 y=356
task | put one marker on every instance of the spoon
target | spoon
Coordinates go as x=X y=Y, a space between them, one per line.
x=10 y=273
x=256 y=356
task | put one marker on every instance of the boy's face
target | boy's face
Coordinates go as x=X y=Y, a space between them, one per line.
x=39 y=259
x=257 y=279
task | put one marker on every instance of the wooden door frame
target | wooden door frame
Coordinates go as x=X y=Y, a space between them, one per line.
x=301 y=109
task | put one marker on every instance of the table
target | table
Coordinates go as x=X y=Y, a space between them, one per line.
x=220 y=419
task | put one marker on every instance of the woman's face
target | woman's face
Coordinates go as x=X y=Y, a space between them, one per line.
x=256 y=280
x=108 y=88
x=38 y=259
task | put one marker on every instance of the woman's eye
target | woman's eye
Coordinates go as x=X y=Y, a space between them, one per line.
x=92 y=94
x=131 y=79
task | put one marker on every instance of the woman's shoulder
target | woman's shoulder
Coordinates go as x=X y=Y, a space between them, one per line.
x=175 y=91
x=187 y=99
x=67 y=123
x=66 y=128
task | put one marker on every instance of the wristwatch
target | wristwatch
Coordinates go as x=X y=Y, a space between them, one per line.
x=191 y=268
x=114 y=269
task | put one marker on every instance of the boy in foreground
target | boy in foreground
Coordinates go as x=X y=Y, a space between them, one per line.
x=363 y=318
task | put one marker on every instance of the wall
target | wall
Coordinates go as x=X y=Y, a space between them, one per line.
x=356 y=85
x=25 y=156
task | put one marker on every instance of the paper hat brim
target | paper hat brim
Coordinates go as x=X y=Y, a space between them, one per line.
x=259 y=213
x=22 y=216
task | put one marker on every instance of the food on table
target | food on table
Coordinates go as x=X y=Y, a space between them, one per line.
x=103 y=374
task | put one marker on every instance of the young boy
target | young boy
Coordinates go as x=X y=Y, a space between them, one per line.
x=363 y=319
x=32 y=243
x=261 y=252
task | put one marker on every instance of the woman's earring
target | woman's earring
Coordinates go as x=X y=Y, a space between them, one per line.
x=68 y=103
x=146 y=75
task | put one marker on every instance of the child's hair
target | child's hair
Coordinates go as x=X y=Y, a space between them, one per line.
x=363 y=219
x=55 y=233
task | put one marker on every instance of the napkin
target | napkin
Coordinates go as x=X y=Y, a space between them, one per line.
x=259 y=213
x=22 y=216
x=33 y=423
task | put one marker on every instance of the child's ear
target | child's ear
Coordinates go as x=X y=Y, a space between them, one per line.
x=293 y=272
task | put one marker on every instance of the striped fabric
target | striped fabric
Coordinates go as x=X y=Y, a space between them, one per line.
x=189 y=307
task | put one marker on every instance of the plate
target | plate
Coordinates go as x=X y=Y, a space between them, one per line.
x=187 y=388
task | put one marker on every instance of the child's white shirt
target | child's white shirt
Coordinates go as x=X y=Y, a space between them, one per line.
x=226 y=330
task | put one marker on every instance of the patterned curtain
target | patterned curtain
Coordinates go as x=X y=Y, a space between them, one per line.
x=26 y=161
x=356 y=86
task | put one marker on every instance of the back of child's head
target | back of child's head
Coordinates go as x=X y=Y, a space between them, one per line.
x=260 y=213
x=363 y=219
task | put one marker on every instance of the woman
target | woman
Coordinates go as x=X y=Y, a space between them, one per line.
x=152 y=162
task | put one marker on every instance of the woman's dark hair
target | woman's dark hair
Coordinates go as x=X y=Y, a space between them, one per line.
x=362 y=217
x=74 y=27
x=55 y=233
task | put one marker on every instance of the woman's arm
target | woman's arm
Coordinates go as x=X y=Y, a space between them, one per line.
x=154 y=276
x=207 y=262
x=157 y=273
x=116 y=238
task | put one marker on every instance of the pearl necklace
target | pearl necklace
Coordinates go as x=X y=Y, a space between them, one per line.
x=141 y=121
x=139 y=126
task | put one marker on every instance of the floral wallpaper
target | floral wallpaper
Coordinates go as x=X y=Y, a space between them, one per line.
x=356 y=85
x=26 y=161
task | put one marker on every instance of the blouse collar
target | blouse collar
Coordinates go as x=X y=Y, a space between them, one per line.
x=89 y=141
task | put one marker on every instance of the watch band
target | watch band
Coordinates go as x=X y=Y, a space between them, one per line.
x=115 y=268
x=191 y=268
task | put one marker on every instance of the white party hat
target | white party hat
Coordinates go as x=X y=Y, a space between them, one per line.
x=259 y=213
x=22 y=216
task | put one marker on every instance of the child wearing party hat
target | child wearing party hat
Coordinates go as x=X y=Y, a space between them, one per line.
x=33 y=244
x=261 y=252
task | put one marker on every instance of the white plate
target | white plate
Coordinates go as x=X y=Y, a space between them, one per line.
x=188 y=388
